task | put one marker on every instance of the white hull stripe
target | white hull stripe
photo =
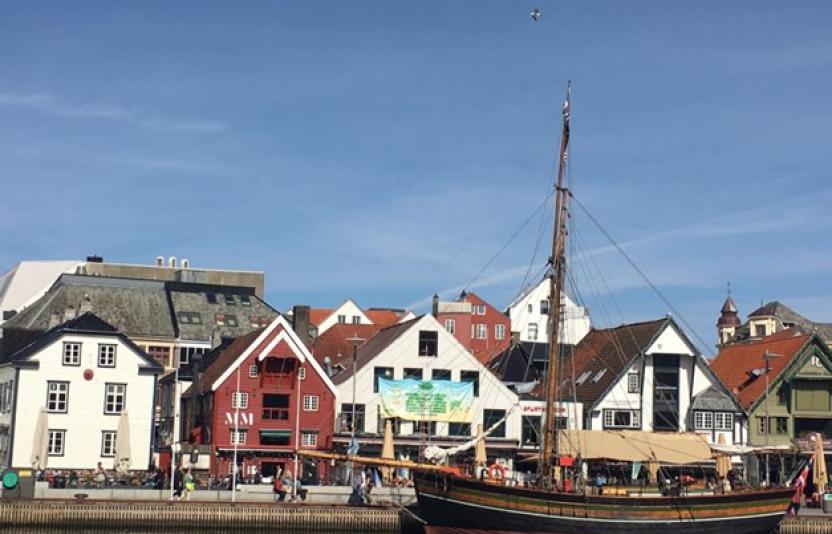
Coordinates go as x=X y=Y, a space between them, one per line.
x=596 y=520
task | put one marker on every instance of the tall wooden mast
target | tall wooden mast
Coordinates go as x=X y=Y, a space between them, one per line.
x=557 y=272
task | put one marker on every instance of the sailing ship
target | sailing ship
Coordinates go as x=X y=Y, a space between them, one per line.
x=452 y=502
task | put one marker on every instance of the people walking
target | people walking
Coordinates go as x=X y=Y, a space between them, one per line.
x=189 y=484
x=278 y=489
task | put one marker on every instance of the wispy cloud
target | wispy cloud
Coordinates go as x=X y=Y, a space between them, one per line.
x=49 y=105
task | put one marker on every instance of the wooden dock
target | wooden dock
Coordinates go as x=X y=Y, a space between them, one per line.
x=154 y=516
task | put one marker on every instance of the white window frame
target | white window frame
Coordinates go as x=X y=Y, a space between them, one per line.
x=239 y=400
x=609 y=419
x=703 y=420
x=71 y=353
x=239 y=436
x=633 y=383
x=532 y=331
x=499 y=331
x=482 y=331
x=252 y=371
x=108 y=443
x=450 y=326
x=60 y=389
x=301 y=373
x=480 y=309
x=107 y=355
x=114 y=391
x=56 y=445
x=311 y=403
x=724 y=421
x=308 y=438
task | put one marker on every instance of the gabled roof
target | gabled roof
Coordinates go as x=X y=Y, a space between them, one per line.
x=225 y=358
x=375 y=346
x=602 y=355
x=383 y=318
x=335 y=343
x=522 y=362
x=319 y=315
x=714 y=400
x=86 y=324
x=735 y=364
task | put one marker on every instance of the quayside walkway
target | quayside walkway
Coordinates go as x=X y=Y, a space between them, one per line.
x=151 y=516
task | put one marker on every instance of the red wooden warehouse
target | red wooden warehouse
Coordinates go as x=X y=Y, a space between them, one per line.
x=267 y=393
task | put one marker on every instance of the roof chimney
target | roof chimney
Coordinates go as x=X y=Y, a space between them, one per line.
x=328 y=366
x=172 y=261
x=435 y=308
x=160 y=261
x=185 y=263
x=69 y=313
x=300 y=323
x=86 y=305
x=95 y=259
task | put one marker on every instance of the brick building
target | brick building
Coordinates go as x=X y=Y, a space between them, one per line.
x=284 y=401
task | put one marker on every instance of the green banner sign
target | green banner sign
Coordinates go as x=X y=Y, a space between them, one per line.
x=427 y=400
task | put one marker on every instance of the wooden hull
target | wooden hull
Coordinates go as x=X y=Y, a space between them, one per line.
x=457 y=505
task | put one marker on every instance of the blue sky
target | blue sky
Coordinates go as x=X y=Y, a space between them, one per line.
x=386 y=150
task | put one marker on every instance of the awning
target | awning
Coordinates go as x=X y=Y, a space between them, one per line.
x=634 y=446
x=276 y=433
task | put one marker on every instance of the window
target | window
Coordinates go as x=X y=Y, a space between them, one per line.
x=239 y=436
x=622 y=418
x=252 y=370
x=186 y=354
x=301 y=373
x=459 y=429
x=381 y=372
x=245 y=300
x=762 y=428
x=308 y=439
x=220 y=319
x=356 y=319
x=160 y=354
x=231 y=320
x=57 y=441
x=239 y=400
x=106 y=355
x=230 y=300
x=759 y=330
x=310 y=403
x=211 y=298
x=450 y=325
x=428 y=343
x=441 y=374
x=275 y=437
x=482 y=331
x=703 y=420
x=424 y=427
x=189 y=317
x=72 y=354
x=57 y=397
x=490 y=417
x=473 y=377
x=347 y=418
x=108 y=443
x=415 y=374
x=530 y=431
x=633 y=384
x=275 y=407
x=499 y=331
x=530 y=308
x=480 y=309
x=581 y=379
x=724 y=421
x=599 y=375
x=779 y=425
x=342 y=319
x=114 y=398
x=532 y=332
x=544 y=307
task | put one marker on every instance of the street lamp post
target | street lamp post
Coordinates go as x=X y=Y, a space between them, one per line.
x=236 y=438
x=767 y=357
x=355 y=341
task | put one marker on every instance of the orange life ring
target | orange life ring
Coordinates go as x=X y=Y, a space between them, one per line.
x=496 y=469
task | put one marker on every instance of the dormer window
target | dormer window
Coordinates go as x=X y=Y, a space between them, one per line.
x=230 y=300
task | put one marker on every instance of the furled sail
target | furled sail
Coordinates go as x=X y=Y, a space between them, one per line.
x=439 y=455
x=635 y=446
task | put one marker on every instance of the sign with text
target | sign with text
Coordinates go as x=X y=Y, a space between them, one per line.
x=427 y=400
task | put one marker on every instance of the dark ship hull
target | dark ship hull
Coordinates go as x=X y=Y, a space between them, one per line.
x=451 y=504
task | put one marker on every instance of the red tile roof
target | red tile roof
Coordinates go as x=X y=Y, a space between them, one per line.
x=318 y=315
x=384 y=318
x=335 y=344
x=735 y=364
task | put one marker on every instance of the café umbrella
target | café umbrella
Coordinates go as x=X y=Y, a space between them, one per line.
x=123 y=453
x=40 y=443
x=819 y=473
